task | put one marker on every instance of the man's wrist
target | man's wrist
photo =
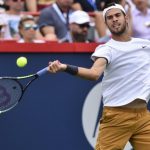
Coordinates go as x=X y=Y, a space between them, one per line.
x=73 y=70
x=64 y=67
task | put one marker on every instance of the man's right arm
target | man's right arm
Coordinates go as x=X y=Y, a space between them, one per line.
x=92 y=73
x=95 y=71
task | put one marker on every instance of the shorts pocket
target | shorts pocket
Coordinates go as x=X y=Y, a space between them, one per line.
x=108 y=116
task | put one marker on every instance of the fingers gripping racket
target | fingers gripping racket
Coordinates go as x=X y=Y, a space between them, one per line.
x=12 y=90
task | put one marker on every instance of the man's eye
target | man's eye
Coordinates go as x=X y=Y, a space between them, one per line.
x=109 y=17
x=118 y=15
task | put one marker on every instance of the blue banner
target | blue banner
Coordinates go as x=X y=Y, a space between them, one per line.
x=58 y=111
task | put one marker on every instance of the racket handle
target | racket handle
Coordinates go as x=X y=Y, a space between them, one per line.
x=43 y=71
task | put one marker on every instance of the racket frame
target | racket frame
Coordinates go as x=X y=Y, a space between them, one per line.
x=23 y=88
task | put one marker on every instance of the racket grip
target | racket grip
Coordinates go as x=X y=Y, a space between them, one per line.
x=42 y=72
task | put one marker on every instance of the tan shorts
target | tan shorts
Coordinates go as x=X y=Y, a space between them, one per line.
x=118 y=126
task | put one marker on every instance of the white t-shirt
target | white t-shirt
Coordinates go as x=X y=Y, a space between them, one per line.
x=12 y=22
x=127 y=74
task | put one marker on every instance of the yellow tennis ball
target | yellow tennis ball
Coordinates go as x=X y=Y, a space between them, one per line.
x=21 y=61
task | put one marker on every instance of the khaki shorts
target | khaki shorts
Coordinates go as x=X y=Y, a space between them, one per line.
x=120 y=125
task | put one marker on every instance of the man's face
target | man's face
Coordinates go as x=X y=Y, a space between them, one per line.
x=141 y=4
x=28 y=30
x=116 y=21
x=65 y=3
x=79 y=32
x=15 y=4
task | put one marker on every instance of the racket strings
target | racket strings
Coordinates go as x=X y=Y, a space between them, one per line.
x=10 y=93
x=11 y=89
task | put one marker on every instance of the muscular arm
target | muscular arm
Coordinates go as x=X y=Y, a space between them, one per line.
x=92 y=73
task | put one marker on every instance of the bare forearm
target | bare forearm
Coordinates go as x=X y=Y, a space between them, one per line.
x=92 y=73
x=89 y=74
x=85 y=73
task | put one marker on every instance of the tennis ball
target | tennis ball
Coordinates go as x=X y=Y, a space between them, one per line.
x=21 y=61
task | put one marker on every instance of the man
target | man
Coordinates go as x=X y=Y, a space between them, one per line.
x=94 y=7
x=79 y=25
x=28 y=30
x=126 y=84
x=13 y=15
x=141 y=29
x=54 y=21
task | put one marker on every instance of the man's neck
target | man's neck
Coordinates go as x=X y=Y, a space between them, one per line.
x=13 y=12
x=63 y=9
x=122 y=38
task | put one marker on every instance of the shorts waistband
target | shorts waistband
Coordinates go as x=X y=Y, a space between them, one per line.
x=125 y=109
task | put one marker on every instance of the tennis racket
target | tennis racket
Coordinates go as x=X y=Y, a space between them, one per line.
x=12 y=90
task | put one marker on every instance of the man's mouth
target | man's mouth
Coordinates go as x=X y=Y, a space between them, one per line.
x=116 y=25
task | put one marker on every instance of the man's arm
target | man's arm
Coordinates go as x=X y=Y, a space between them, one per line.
x=49 y=33
x=92 y=73
x=46 y=25
x=31 y=5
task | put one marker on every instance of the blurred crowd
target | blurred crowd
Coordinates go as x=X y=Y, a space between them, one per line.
x=39 y=21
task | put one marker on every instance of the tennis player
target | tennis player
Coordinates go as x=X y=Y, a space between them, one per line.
x=125 y=62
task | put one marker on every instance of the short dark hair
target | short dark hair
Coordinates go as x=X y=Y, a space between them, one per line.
x=109 y=3
x=113 y=4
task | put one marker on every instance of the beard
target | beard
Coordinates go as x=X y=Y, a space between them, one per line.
x=79 y=37
x=119 y=32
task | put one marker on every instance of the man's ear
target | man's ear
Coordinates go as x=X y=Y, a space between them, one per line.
x=126 y=17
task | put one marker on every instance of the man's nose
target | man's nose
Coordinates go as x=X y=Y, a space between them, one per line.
x=115 y=18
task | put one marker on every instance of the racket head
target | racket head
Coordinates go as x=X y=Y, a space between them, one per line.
x=11 y=92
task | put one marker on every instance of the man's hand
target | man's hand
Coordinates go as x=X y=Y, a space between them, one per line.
x=56 y=66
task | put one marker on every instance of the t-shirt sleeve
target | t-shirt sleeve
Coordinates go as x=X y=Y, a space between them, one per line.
x=102 y=51
x=45 y=18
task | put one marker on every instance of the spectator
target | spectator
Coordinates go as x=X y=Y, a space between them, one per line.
x=141 y=19
x=79 y=25
x=12 y=16
x=54 y=21
x=28 y=30
x=97 y=21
